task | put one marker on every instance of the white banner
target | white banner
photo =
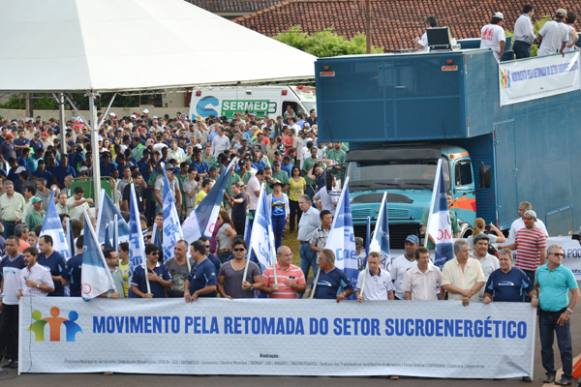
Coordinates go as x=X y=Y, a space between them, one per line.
x=526 y=80
x=572 y=250
x=277 y=337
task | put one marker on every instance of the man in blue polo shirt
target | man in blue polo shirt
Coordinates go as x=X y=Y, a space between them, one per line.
x=55 y=262
x=508 y=283
x=74 y=266
x=202 y=280
x=332 y=283
x=558 y=295
x=157 y=273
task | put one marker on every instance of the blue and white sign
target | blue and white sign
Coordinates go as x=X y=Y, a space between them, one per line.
x=538 y=77
x=439 y=339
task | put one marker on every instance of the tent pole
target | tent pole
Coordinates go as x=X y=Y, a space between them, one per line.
x=63 y=123
x=95 y=148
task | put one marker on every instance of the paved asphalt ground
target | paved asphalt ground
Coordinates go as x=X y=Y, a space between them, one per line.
x=93 y=380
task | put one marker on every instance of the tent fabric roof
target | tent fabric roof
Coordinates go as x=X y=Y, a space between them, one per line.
x=112 y=45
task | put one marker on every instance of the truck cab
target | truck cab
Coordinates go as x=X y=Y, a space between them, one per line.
x=406 y=172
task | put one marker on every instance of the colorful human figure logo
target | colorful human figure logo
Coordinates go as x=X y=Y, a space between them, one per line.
x=55 y=322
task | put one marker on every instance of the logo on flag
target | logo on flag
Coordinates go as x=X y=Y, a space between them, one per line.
x=439 y=225
x=95 y=275
x=203 y=218
x=341 y=238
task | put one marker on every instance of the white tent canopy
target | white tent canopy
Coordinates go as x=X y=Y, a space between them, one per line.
x=113 y=45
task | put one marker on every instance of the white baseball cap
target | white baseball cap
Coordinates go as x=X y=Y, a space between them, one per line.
x=499 y=15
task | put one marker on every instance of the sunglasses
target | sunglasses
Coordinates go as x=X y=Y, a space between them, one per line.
x=242 y=249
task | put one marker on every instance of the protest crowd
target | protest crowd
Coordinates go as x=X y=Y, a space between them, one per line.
x=244 y=163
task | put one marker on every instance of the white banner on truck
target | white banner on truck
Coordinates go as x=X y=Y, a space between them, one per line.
x=572 y=253
x=277 y=337
x=526 y=80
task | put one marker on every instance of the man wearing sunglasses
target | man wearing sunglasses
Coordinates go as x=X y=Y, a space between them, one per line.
x=558 y=295
x=157 y=273
x=230 y=281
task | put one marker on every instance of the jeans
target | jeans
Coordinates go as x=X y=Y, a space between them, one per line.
x=308 y=259
x=521 y=49
x=9 y=331
x=278 y=223
x=9 y=228
x=547 y=329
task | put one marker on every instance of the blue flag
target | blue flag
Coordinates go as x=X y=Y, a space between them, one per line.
x=341 y=238
x=52 y=226
x=172 y=229
x=439 y=225
x=96 y=278
x=136 y=243
x=202 y=219
x=106 y=223
x=380 y=239
x=262 y=236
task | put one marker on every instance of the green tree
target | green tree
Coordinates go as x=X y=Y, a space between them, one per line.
x=324 y=43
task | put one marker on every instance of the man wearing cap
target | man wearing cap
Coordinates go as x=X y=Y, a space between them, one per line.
x=11 y=208
x=530 y=245
x=35 y=216
x=554 y=35
x=519 y=223
x=400 y=265
x=492 y=36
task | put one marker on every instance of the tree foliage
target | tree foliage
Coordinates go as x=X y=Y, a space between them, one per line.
x=324 y=43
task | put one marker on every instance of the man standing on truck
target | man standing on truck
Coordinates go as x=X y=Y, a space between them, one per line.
x=492 y=36
x=554 y=35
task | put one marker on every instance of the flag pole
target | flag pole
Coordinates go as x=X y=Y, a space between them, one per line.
x=368 y=235
x=432 y=203
x=147 y=277
x=248 y=253
x=115 y=232
x=315 y=280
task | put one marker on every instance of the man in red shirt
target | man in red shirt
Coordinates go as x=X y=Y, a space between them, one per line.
x=291 y=280
x=530 y=245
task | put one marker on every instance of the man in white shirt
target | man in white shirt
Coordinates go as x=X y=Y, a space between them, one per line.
x=378 y=285
x=401 y=264
x=422 y=43
x=524 y=32
x=488 y=262
x=423 y=282
x=35 y=280
x=571 y=31
x=492 y=36
x=220 y=142
x=554 y=35
x=462 y=276
x=519 y=223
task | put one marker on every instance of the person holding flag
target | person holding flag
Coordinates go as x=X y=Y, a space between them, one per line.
x=136 y=243
x=291 y=281
x=374 y=283
x=332 y=283
x=157 y=276
x=95 y=276
x=341 y=241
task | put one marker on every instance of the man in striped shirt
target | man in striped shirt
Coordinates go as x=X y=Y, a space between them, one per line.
x=530 y=245
x=290 y=278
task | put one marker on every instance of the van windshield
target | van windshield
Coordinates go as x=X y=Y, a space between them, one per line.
x=400 y=173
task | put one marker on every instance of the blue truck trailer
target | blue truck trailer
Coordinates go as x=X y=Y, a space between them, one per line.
x=402 y=113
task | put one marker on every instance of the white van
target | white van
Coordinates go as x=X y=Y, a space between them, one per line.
x=263 y=101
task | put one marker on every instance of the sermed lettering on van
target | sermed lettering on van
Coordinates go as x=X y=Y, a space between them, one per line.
x=231 y=106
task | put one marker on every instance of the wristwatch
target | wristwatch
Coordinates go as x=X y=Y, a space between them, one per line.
x=570 y=310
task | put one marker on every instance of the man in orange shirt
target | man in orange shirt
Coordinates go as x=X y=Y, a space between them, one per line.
x=290 y=278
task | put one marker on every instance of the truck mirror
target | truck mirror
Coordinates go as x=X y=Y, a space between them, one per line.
x=485 y=175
